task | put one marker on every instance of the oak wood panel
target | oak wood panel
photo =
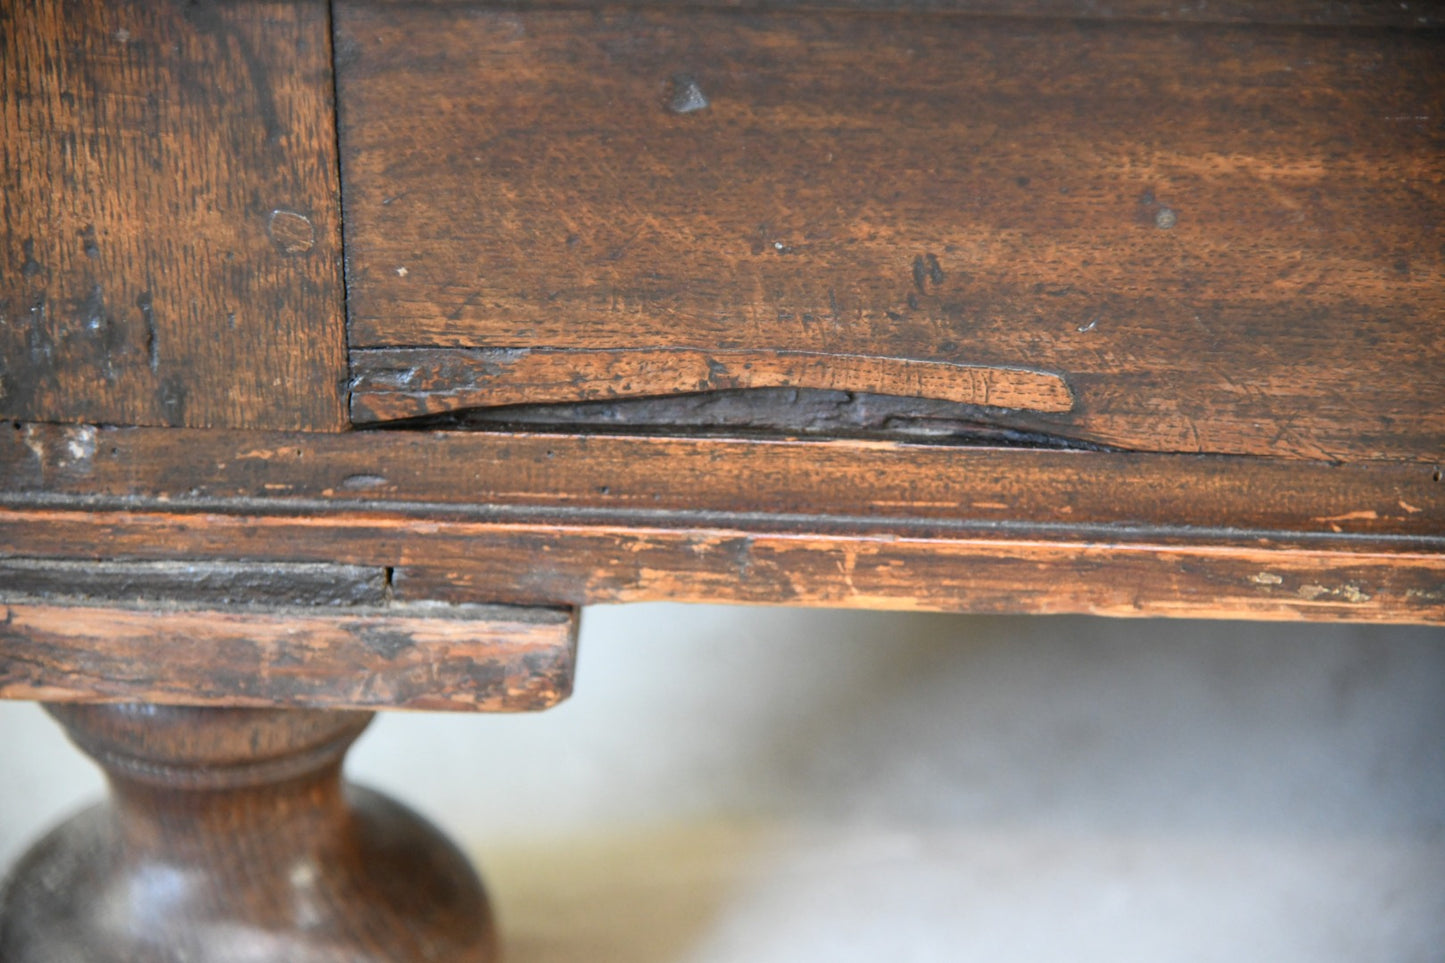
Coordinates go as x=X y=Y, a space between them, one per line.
x=1224 y=238
x=402 y=656
x=169 y=215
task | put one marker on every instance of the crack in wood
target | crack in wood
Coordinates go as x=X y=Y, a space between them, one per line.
x=392 y=384
x=770 y=412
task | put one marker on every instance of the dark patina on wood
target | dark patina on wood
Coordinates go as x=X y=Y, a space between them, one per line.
x=543 y=519
x=306 y=584
x=229 y=833
x=170 y=215
x=541 y=479
x=1222 y=237
x=758 y=413
x=1151 y=232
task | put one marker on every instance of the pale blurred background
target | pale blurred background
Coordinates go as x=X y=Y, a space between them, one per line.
x=776 y=786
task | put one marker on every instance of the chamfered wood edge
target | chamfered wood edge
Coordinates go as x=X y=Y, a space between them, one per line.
x=202 y=651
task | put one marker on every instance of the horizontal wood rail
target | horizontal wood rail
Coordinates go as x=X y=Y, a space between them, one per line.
x=555 y=519
x=225 y=633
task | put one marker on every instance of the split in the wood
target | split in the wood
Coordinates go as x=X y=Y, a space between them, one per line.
x=793 y=392
x=770 y=412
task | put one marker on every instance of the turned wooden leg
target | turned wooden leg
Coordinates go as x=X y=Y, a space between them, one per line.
x=230 y=836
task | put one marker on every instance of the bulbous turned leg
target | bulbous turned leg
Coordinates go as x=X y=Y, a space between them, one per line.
x=230 y=836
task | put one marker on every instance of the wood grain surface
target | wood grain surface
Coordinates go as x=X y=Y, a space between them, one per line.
x=208 y=632
x=546 y=519
x=169 y=215
x=397 y=383
x=1223 y=238
x=886 y=487
x=1120 y=573
x=978 y=575
x=401 y=656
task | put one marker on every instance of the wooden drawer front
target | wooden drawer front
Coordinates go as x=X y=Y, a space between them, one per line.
x=1167 y=237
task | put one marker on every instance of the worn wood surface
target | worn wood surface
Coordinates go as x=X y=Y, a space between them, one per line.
x=396 y=383
x=169 y=215
x=979 y=575
x=230 y=835
x=1223 y=238
x=883 y=487
x=557 y=519
x=404 y=656
x=1120 y=573
x=192 y=583
x=175 y=633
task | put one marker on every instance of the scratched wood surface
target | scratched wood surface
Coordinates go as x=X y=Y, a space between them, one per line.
x=215 y=583
x=745 y=560
x=411 y=382
x=460 y=657
x=540 y=478
x=549 y=519
x=267 y=633
x=1221 y=238
x=169 y=215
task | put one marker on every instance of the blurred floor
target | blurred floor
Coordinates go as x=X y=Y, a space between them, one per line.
x=779 y=785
